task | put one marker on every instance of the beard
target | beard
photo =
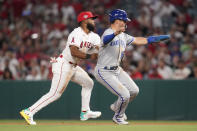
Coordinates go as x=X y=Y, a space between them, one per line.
x=90 y=27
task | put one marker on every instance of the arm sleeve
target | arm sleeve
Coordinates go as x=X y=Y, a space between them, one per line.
x=107 y=36
x=129 y=39
x=73 y=39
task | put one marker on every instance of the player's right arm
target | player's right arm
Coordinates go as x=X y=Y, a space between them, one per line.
x=77 y=53
x=109 y=34
x=74 y=45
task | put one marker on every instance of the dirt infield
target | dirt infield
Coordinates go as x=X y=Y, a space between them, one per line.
x=100 y=123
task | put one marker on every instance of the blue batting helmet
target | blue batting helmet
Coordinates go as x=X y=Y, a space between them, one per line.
x=118 y=14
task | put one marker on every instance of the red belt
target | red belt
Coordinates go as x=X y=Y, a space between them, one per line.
x=74 y=64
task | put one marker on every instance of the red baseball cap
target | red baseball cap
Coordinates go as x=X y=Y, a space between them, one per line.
x=85 y=15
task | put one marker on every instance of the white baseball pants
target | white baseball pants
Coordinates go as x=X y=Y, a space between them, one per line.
x=63 y=72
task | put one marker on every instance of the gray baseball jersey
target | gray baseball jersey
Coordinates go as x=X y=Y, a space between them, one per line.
x=116 y=79
x=112 y=53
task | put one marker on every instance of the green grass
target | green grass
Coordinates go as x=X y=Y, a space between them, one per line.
x=97 y=125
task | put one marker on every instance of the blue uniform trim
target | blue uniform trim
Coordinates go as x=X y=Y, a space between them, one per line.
x=129 y=43
x=122 y=99
x=108 y=38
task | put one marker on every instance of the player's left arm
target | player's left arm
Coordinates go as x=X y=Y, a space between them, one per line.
x=140 y=41
x=150 y=39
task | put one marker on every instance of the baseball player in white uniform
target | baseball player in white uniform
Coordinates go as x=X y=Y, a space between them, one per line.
x=81 y=41
x=109 y=73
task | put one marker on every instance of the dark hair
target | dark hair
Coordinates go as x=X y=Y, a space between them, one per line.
x=112 y=22
x=9 y=77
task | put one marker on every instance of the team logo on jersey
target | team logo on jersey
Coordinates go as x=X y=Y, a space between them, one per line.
x=86 y=44
x=117 y=43
x=73 y=40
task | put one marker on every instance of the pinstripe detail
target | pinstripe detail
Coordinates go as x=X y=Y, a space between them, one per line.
x=122 y=99
x=129 y=43
x=55 y=90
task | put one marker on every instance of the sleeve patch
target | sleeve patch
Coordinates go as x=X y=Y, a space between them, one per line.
x=73 y=40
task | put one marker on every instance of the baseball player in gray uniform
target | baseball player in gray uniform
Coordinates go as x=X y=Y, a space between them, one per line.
x=109 y=73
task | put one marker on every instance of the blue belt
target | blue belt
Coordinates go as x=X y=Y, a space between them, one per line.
x=110 y=67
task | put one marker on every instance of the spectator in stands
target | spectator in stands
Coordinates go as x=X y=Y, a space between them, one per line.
x=37 y=29
x=164 y=70
x=144 y=21
x=7 y=74
x=68 y=12
x=13 y=64
x=136 y=74
x=175 y=51
x=2 y=61
x=182 y=72
x=22 y=69
x=163 y=53
x=33 y=75
x=44 y=72
x=153 y=74
x=167 y=9
x=175 y=61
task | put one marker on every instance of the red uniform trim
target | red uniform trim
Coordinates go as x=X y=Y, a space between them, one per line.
x=55 y=90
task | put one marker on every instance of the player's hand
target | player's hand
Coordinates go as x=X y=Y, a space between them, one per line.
x=94 y=56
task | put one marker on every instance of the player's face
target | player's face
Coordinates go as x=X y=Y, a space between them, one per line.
x=90 y=24
x=91 y=21
x=121 y=24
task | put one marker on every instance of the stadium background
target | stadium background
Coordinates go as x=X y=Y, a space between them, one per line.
x=31 y=31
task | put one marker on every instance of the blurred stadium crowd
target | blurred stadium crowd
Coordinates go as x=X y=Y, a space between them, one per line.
x=31 y=31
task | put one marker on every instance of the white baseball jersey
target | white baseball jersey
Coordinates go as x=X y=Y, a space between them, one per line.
x=112 y=53
x=82 y=40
